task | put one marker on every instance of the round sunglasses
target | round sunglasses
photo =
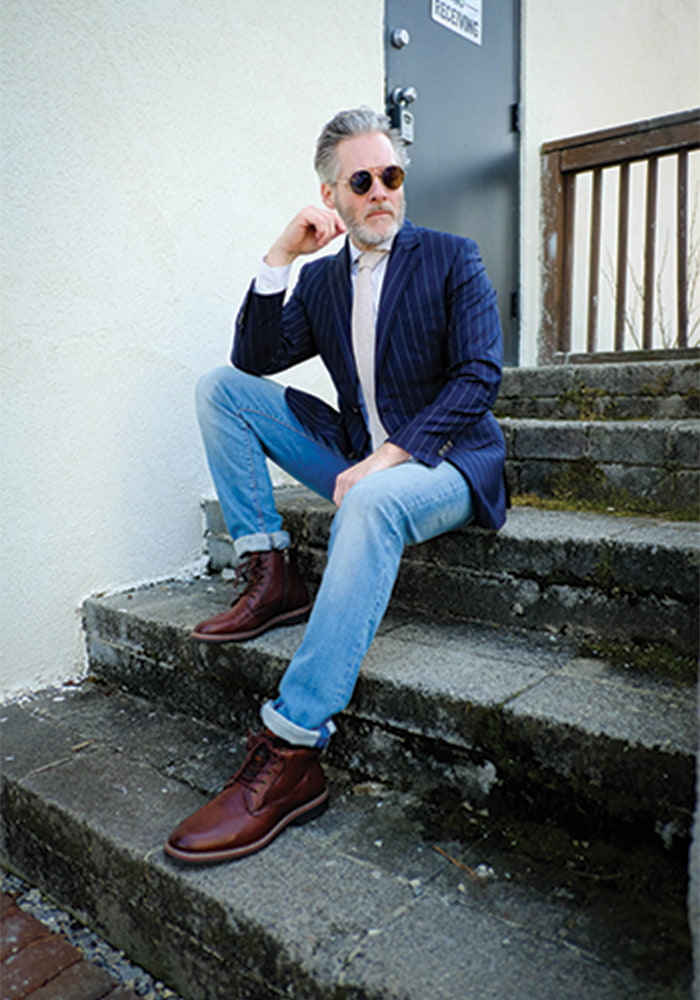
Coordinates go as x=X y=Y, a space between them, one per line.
x=361 y=181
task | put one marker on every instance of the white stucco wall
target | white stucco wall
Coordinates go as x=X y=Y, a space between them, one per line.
x=588 y=66
x=151 y=151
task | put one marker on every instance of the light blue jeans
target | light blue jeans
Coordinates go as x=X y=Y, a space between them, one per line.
x=244 y=419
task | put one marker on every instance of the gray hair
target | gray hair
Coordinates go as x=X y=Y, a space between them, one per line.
x=347 y=125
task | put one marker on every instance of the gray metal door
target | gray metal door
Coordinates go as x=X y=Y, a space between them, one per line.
x=452 y=84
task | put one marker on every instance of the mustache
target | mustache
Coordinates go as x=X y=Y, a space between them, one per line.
x=379 y=209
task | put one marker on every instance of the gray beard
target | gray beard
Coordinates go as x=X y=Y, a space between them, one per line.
x=365 y=235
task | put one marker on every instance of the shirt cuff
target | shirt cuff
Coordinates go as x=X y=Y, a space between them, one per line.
x=271 y=280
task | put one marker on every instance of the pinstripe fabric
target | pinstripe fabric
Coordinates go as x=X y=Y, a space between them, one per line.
x=438 y=356
x=364 y=339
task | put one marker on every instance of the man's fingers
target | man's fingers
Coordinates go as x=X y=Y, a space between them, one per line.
x=310 y=230
x=327 y=226
x=385 y=457
x=343 y=483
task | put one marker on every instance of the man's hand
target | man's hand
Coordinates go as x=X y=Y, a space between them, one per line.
x=384 y=457
x=310 y=230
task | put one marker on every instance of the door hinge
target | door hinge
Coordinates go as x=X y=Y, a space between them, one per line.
x=515 y=117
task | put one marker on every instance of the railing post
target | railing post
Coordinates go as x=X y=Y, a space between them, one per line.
x=682 y=248
x=553 y=241
x=623 y=211
x=650 y=253
x=567 y=262
x=594 y=260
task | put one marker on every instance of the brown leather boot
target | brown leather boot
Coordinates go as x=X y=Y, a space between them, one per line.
x=277 y=785
x=275 y=595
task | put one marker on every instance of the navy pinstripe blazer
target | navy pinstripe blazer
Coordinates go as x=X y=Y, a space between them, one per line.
x=438 y=356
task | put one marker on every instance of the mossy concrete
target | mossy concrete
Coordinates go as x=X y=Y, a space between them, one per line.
x=651 y=390
x=657 y=462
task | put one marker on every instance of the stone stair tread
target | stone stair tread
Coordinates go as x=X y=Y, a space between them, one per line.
x=437 y=680
x=530 y=529
x=631 y=580
x=472 y=663
x=661 y=423
x=357 y=903
x=527 y=524
x=533 y=523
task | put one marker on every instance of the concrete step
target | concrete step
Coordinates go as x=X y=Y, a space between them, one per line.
x=651 y=390
x=371 y=901
x=516 y=722
x=628 y=583
x=610 y=461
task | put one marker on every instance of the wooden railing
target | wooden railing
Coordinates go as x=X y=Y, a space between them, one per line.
x=635 y=188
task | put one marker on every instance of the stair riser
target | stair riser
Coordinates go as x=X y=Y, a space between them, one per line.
x=499 y=755
x=656 y=462
x=677 y=491
x=645 y=391
x=579 y=611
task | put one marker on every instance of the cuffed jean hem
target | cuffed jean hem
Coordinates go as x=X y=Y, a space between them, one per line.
x=261 y=542
x=291 y=732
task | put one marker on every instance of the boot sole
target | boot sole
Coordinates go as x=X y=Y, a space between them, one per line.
x=295 y=617
x=302 y=814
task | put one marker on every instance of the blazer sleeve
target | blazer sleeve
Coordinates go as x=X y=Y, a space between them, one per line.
x=473 y=355
x=271 y=335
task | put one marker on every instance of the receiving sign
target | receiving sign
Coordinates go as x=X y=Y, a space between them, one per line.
x=461 y=16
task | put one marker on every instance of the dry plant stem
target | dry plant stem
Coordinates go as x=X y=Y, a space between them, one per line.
x=470 y=871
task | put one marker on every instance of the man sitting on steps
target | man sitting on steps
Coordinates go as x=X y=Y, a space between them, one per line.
x=405 y=320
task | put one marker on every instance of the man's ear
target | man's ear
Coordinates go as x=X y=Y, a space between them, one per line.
x=328 y=195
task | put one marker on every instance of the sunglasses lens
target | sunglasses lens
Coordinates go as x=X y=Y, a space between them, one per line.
x=361 y=181
x=392 y=177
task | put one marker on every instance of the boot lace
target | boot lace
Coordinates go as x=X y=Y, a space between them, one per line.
x=263 y=751
x=251 y=574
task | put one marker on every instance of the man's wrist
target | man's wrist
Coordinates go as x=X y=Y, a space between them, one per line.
x=275 y=257
x=393 y=454
x=270 y=280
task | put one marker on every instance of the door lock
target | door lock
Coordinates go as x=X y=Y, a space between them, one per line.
x=401 y=117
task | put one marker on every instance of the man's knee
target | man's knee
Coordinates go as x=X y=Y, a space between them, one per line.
x=371 y=502
x=209 y=384
x=226 y=384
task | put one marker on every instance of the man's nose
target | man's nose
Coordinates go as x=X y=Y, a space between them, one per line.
x=377 y=192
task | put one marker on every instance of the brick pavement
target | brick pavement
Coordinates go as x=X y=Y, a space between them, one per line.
x=38 y=964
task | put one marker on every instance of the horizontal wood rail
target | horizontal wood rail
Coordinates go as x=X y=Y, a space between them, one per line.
x=631 y=184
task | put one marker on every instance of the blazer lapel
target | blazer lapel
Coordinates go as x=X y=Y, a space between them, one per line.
x=341 y=305
x=402 y=263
